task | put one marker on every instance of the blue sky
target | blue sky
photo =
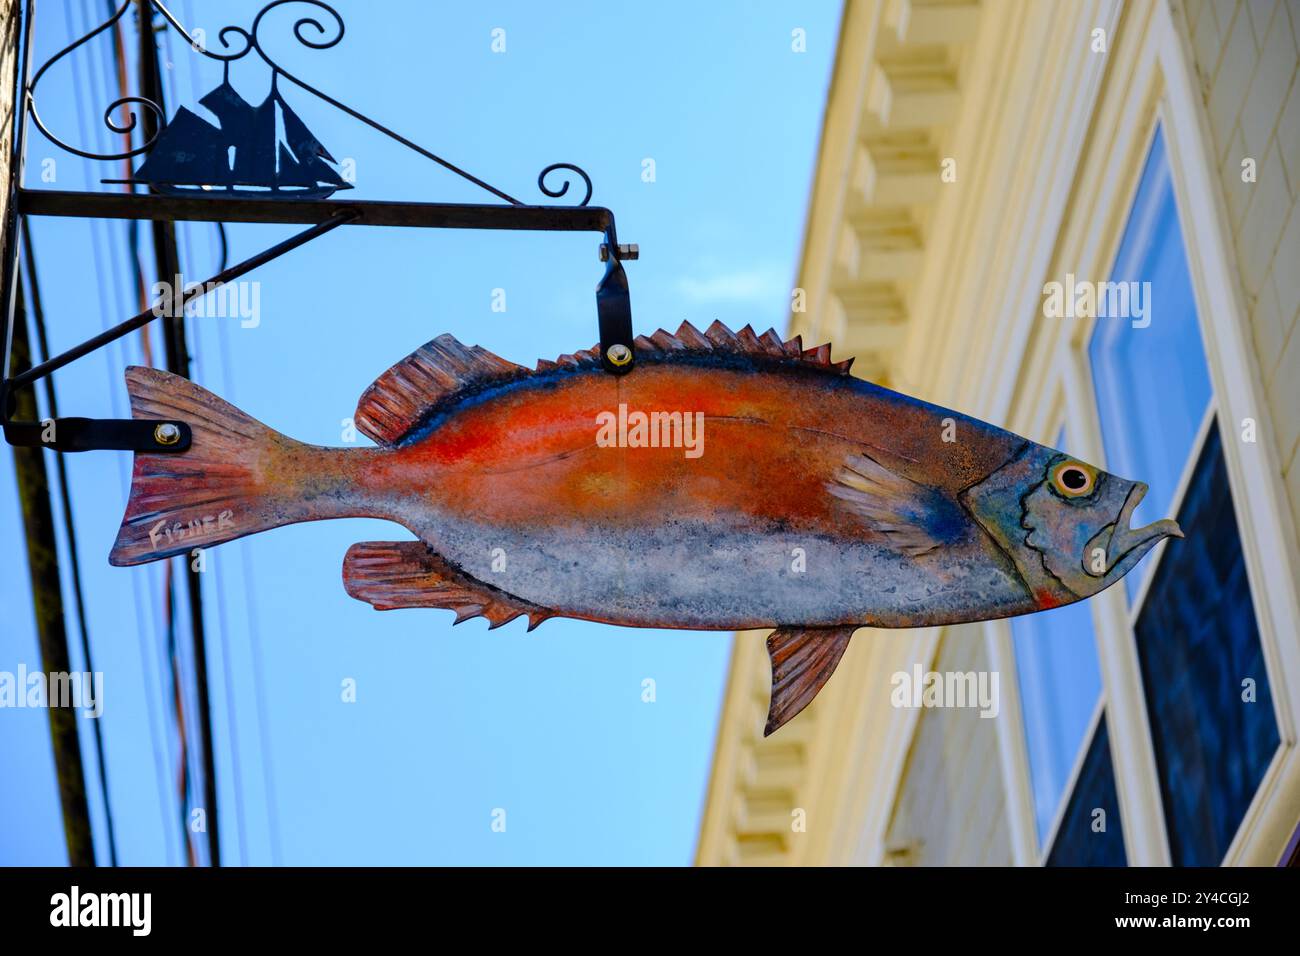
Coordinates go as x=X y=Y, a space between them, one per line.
x=448 y=726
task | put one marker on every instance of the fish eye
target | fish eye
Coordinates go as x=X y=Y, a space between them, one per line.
x=1073 y=479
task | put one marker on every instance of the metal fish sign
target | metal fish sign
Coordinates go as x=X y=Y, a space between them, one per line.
x=732 y=481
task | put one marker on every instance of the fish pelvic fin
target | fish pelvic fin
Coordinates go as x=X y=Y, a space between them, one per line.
x=393 y=574
x=803 y=660
x=229 y=483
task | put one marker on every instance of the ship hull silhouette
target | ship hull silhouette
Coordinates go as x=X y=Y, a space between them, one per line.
x=259 y=151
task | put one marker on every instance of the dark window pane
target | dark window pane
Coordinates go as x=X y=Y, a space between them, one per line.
x=1197 y=641
x=1078 y=842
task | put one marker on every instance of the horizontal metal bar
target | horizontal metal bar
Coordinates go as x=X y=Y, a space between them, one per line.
x=148 y=315
x=101 y=434
x=217 y=208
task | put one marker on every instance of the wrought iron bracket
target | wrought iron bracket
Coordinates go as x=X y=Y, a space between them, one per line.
x=235 y=203
x=614 y=312
x=613 y=296
x=83 y=434
x=100 y=434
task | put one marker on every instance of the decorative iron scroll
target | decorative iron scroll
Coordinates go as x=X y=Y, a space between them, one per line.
x=190 y=155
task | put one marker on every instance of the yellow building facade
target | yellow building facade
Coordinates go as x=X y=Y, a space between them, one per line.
x=973 y=153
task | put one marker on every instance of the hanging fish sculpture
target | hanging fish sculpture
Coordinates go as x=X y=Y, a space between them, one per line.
x=731 y=481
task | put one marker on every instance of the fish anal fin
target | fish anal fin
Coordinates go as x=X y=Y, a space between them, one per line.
x=401 y=398
x=803 y=659
x=393 y=574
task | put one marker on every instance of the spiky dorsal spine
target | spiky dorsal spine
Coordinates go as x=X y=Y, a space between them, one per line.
x=439 y=372
x=719 y=338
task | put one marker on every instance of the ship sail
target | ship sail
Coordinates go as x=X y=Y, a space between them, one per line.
x=189 y=150
x=307 y=148
x=232 y=111
x=247 y=151
x=291 y=172
x=255 y=156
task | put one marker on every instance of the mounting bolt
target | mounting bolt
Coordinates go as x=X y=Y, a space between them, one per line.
x=627 y=251
x=619 y=355
x=166 y=434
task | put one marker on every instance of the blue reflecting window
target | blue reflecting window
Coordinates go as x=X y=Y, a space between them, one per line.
x=1152 y=383
x=1090 y=833
x=1060 y=683
x=1198 y=642
x=1195 y=629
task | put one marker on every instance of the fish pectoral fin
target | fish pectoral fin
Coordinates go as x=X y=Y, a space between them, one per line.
x=393 y=574
x=803 y=659
x=908 y=516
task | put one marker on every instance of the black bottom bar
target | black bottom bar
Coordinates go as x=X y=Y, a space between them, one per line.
x=919 y=908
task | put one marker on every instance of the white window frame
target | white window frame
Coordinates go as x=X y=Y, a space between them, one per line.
x=1014 y=748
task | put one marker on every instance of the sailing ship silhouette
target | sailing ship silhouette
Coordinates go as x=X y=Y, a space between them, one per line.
x=257 y=151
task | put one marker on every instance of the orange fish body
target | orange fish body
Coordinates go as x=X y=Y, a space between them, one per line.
x=731 y=481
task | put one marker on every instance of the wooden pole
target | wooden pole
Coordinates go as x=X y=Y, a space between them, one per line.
x=47 y=604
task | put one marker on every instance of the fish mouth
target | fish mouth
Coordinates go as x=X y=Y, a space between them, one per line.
x=1125 y=540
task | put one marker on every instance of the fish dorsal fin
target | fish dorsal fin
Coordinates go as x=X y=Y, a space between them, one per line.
x=402 y=397
x=719 y=338
x=803 y=660
x=583 y=358
x=393 y=574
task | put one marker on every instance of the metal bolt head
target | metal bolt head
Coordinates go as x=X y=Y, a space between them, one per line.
x=625 y=251
x=619 y=355
x=167 y=434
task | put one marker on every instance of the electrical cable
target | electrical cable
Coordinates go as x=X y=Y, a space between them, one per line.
x=65 y=503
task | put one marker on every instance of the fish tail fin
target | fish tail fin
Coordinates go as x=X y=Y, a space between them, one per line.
x=216 y=490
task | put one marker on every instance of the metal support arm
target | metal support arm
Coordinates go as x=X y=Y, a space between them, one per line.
x=188 y=185
x=87 y=434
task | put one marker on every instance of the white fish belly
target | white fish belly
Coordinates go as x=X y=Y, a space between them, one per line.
x=674 y=575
